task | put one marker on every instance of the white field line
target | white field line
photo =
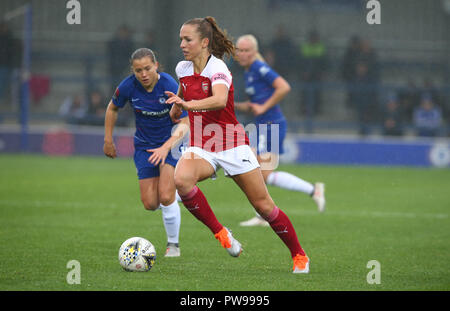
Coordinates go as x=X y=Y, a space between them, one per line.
x=69 y=204
x=369 y=214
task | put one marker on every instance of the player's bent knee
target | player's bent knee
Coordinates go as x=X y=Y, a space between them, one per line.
x=263 y=207
x=184 y=183
x=166 y=199
x=150 y=206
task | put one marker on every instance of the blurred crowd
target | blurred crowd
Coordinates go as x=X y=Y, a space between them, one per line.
x=77 y=109
x=421 y=107
x=306 y=65
x=10 y=60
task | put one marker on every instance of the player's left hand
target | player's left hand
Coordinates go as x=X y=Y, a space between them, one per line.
x=158 y=156
x=257 y=109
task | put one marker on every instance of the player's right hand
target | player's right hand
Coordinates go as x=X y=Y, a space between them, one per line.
x=175 y=99
x=109 y=149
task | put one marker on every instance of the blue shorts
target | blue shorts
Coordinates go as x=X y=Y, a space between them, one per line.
x=146 y=169
x=268 y=138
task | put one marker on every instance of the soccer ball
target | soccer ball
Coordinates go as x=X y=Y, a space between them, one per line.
x=137 y=254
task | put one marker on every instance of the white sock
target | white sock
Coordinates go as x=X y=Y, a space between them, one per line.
x=172 y=219
x=290 y=182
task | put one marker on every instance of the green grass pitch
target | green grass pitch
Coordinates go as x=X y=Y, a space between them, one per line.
x=57 y=209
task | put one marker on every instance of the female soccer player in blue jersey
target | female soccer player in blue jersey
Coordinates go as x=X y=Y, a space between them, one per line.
x=266 y=89
x=153 y=139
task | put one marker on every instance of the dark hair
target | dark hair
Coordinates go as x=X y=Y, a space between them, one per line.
x=141 y=53
x=219 y=43
x=145 y=52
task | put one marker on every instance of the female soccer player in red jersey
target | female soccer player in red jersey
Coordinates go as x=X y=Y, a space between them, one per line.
x=217 y=139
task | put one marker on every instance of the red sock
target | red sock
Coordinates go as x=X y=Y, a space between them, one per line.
x=282 y=226
x=197 y=204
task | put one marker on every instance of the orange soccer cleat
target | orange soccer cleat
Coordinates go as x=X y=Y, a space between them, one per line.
x=301 y=264
x=227 y=240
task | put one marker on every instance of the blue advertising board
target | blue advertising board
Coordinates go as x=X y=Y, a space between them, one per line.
x=301 y=149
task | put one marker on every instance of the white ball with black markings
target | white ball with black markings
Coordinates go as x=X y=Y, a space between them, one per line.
x=137 y=254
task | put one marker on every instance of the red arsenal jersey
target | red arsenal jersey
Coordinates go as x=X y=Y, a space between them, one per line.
x=215 y=130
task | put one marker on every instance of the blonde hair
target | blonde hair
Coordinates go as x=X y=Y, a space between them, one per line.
x=254 y=42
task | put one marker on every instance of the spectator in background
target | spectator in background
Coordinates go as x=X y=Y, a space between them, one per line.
x=120 y=47
x=6 y=57
x=74 y=109
x=363 y=97
x=360 y=70
x=393 y=117
x=427 y=117
x=358 y=51
x=313 y=64
x=96 y=109
x=281 y=53
x=149 y=40
x=409 y=98
x=348 y=65
x=368 y=55
x=430 y=89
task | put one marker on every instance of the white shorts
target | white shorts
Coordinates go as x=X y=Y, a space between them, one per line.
x=235 y=161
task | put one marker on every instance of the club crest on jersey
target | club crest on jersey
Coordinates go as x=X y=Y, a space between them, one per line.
x=205 y=87
x=162 y=100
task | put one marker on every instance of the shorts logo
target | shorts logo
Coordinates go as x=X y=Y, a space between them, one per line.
x=205 y=87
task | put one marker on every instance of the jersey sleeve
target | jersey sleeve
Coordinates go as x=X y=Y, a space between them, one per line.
x=121 y=94
x=219 y=74
x=266 y=73
x=184 y=68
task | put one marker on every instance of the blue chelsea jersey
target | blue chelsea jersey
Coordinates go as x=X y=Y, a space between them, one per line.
x=153 y=123
x=258 y=86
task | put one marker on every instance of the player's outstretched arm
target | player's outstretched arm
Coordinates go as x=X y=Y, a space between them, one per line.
x=243 y=106
x=217 y=101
